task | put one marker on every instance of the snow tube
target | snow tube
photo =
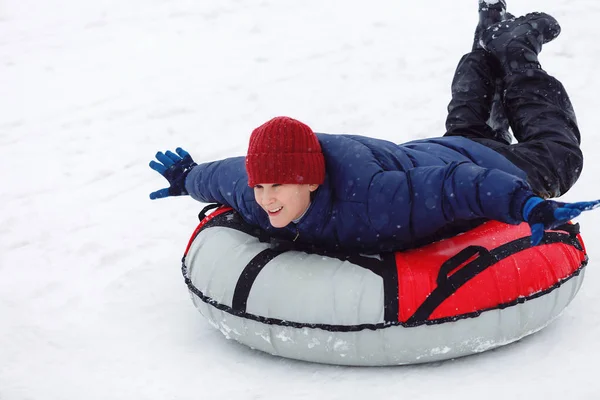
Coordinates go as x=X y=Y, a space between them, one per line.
x=473 y=292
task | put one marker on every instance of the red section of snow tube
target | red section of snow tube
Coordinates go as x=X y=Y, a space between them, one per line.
x=518 y=276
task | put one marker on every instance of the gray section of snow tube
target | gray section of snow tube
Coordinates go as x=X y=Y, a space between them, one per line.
x=319 y=290
x=309 y=289
x=397 y=345
x=225 y=254
x=295 y=286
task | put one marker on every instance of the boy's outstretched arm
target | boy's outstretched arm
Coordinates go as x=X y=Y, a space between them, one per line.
x=425 y=199
x=224 y=181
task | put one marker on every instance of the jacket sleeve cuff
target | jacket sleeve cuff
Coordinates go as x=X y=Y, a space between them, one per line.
x=518 y=203
x=190 y=184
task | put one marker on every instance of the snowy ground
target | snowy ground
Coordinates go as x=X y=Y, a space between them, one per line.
x=92 y=303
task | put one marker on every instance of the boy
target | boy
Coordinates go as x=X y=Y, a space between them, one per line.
x=361 y=194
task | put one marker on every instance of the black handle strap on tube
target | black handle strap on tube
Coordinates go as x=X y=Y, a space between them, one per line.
x=206 y=209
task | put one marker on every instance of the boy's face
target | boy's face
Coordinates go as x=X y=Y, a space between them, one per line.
x=283 y=202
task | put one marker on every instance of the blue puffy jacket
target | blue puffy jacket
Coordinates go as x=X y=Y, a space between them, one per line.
x=380 y=196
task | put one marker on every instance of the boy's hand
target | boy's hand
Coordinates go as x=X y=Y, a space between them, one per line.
x=174 y=167
x=543 y=214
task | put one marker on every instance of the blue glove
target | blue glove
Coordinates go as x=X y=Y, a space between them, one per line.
x=543 y=214
x=174 y=167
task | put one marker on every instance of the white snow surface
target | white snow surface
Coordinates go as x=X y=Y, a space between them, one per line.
x=92 y=302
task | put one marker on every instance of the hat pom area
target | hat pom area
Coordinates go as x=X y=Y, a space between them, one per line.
x=284 y=150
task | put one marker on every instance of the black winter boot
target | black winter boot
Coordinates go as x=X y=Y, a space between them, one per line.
x=516 y=43
x=489 y=14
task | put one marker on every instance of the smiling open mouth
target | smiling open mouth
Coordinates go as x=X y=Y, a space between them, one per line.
x=275 y=211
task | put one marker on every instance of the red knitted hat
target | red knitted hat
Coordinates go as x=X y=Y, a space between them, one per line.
x=284 y=150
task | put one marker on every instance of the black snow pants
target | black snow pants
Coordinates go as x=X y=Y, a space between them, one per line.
x=540 y=115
